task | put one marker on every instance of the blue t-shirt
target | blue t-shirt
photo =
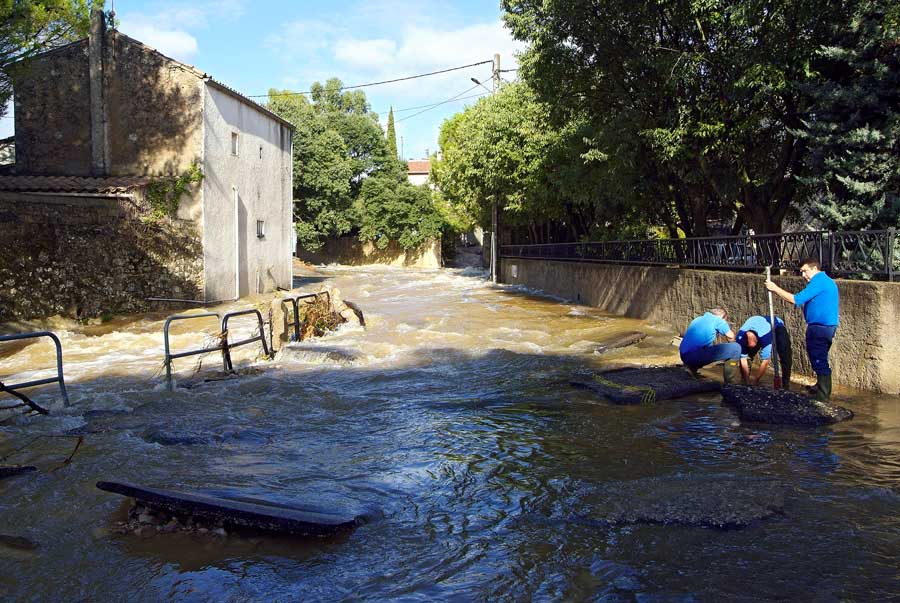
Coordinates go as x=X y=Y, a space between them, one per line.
x=702 y=332
x=763 y=329
x=819 y=301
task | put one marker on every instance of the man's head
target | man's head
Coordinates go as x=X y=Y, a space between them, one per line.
x=749 y=341
x=720 y=312
x=809 y=268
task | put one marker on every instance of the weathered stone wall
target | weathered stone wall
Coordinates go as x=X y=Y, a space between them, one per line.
x=153 y=108
x=82 y=257
x=52 y=113
x=352 y=252
x=866 y=352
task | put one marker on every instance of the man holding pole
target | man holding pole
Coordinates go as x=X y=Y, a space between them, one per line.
x=819 y=301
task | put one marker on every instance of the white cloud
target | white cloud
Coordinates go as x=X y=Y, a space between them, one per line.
x=171 y=42
x=372 y=54
x=300 y=40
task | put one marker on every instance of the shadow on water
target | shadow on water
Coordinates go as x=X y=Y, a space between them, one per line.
x=487 y=477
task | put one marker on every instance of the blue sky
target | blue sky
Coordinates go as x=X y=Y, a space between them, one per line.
x=254 y=46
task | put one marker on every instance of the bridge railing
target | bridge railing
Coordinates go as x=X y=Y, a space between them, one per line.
x=867 y=254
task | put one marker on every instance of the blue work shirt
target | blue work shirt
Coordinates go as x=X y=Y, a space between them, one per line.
x=819 y=301
x=763 y=329
x=702 y=332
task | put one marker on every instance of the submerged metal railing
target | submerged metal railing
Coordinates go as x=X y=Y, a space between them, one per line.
x=10 y=388
x=861 y=254
x=223 y=345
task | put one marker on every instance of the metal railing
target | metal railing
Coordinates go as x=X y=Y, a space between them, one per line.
x=10 y=388
x=295 y=304
x=862 y=254
x=223 y=345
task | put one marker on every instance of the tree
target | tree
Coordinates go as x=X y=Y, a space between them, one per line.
x=395 y=210
x=854 y=134
x=29 y=27
x=391 y=134
x=705 y=98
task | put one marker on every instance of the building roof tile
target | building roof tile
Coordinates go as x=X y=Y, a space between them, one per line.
x=419 y=166
x=110 y=185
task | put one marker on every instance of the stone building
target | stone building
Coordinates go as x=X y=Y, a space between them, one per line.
x=99 y=124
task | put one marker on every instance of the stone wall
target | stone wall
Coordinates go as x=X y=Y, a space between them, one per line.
x=866 y=352
x=350 y=251
x=86 y=256
x=52 y=112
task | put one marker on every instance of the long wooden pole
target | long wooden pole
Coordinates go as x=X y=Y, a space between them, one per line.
x=776 y=383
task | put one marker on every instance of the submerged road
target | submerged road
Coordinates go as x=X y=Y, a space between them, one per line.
x=449 y=424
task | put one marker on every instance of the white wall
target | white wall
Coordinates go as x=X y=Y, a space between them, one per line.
x=417 y=179
x=263 y=190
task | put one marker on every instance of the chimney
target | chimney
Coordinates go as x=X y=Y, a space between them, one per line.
x=99 y=146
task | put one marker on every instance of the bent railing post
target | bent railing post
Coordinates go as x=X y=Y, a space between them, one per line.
x=170 y=357
x=59 y=364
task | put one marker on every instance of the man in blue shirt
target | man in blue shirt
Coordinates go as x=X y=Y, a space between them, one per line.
x=698 y=347
x=819 y=301
x=755 y=336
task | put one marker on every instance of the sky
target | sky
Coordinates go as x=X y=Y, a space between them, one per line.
x=254 y=46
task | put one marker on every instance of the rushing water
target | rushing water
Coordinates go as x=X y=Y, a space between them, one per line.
x=450 y=424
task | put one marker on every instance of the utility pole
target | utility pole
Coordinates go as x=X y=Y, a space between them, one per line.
x=401 y=148
x=495 y=206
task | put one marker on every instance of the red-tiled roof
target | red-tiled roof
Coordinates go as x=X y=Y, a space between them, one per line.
x=419 y=166
x=72 y=184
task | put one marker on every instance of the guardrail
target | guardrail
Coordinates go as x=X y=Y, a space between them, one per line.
x=295 y=304
x=223 y=346
x=59 y=370
x=864 y=254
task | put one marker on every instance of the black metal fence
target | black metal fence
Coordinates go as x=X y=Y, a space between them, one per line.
x=868 y=254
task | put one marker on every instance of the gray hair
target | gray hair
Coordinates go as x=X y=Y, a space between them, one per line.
x=720 y=312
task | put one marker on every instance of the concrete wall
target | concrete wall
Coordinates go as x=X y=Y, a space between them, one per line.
x=350 y=251
x=52 y=112
x=866 y=352
x=238 y=190
x=83 y=256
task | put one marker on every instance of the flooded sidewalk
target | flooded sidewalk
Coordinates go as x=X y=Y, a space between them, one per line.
x=449 y=424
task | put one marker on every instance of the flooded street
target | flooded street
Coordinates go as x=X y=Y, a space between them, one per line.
x=450 y=425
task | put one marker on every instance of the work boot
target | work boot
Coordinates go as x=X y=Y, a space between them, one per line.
x=823 y=388
x=730 y=371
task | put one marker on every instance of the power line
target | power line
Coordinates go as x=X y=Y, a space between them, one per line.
x=435 y=105
x=431 y=105
x=399 y=79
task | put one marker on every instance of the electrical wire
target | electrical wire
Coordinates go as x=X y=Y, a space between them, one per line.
x=435 y=105
x=399 y=79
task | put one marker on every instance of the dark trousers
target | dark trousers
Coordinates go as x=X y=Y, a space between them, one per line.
x=785 y=355
x=818 y=343
x=700 y=357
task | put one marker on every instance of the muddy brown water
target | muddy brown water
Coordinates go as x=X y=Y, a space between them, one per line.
x=450 y=426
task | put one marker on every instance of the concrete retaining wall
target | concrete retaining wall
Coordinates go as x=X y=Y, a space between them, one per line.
x=352 y=252
x=866 y=352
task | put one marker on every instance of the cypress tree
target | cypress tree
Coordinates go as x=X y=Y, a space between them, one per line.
x=854 y=129
x=391 y=135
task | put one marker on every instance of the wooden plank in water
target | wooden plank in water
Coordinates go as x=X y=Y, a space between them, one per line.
x=257 y=514
x=11 y=471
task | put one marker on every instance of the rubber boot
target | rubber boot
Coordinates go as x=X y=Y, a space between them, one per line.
x=730 y=371
x=823 y=388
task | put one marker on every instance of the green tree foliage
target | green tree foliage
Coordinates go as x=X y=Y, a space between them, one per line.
x=28 y=27
x=696 y=103
x=345 y=177
x=391 y=134
x=854 y=134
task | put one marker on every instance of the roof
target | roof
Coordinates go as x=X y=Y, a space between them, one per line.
x=419 y=166
x=111 y=185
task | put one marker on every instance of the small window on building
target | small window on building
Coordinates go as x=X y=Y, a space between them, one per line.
x=260 y=151
x=260 y=229
x=234 y=143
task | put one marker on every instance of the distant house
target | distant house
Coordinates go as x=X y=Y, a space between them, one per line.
x=418 y=170
x=97 y=123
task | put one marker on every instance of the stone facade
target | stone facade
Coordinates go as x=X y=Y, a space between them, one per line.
x=866 y=351
x=83 y=257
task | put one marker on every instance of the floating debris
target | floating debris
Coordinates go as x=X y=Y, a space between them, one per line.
x=18 y=470
x=622 y=341
x=781 y=407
